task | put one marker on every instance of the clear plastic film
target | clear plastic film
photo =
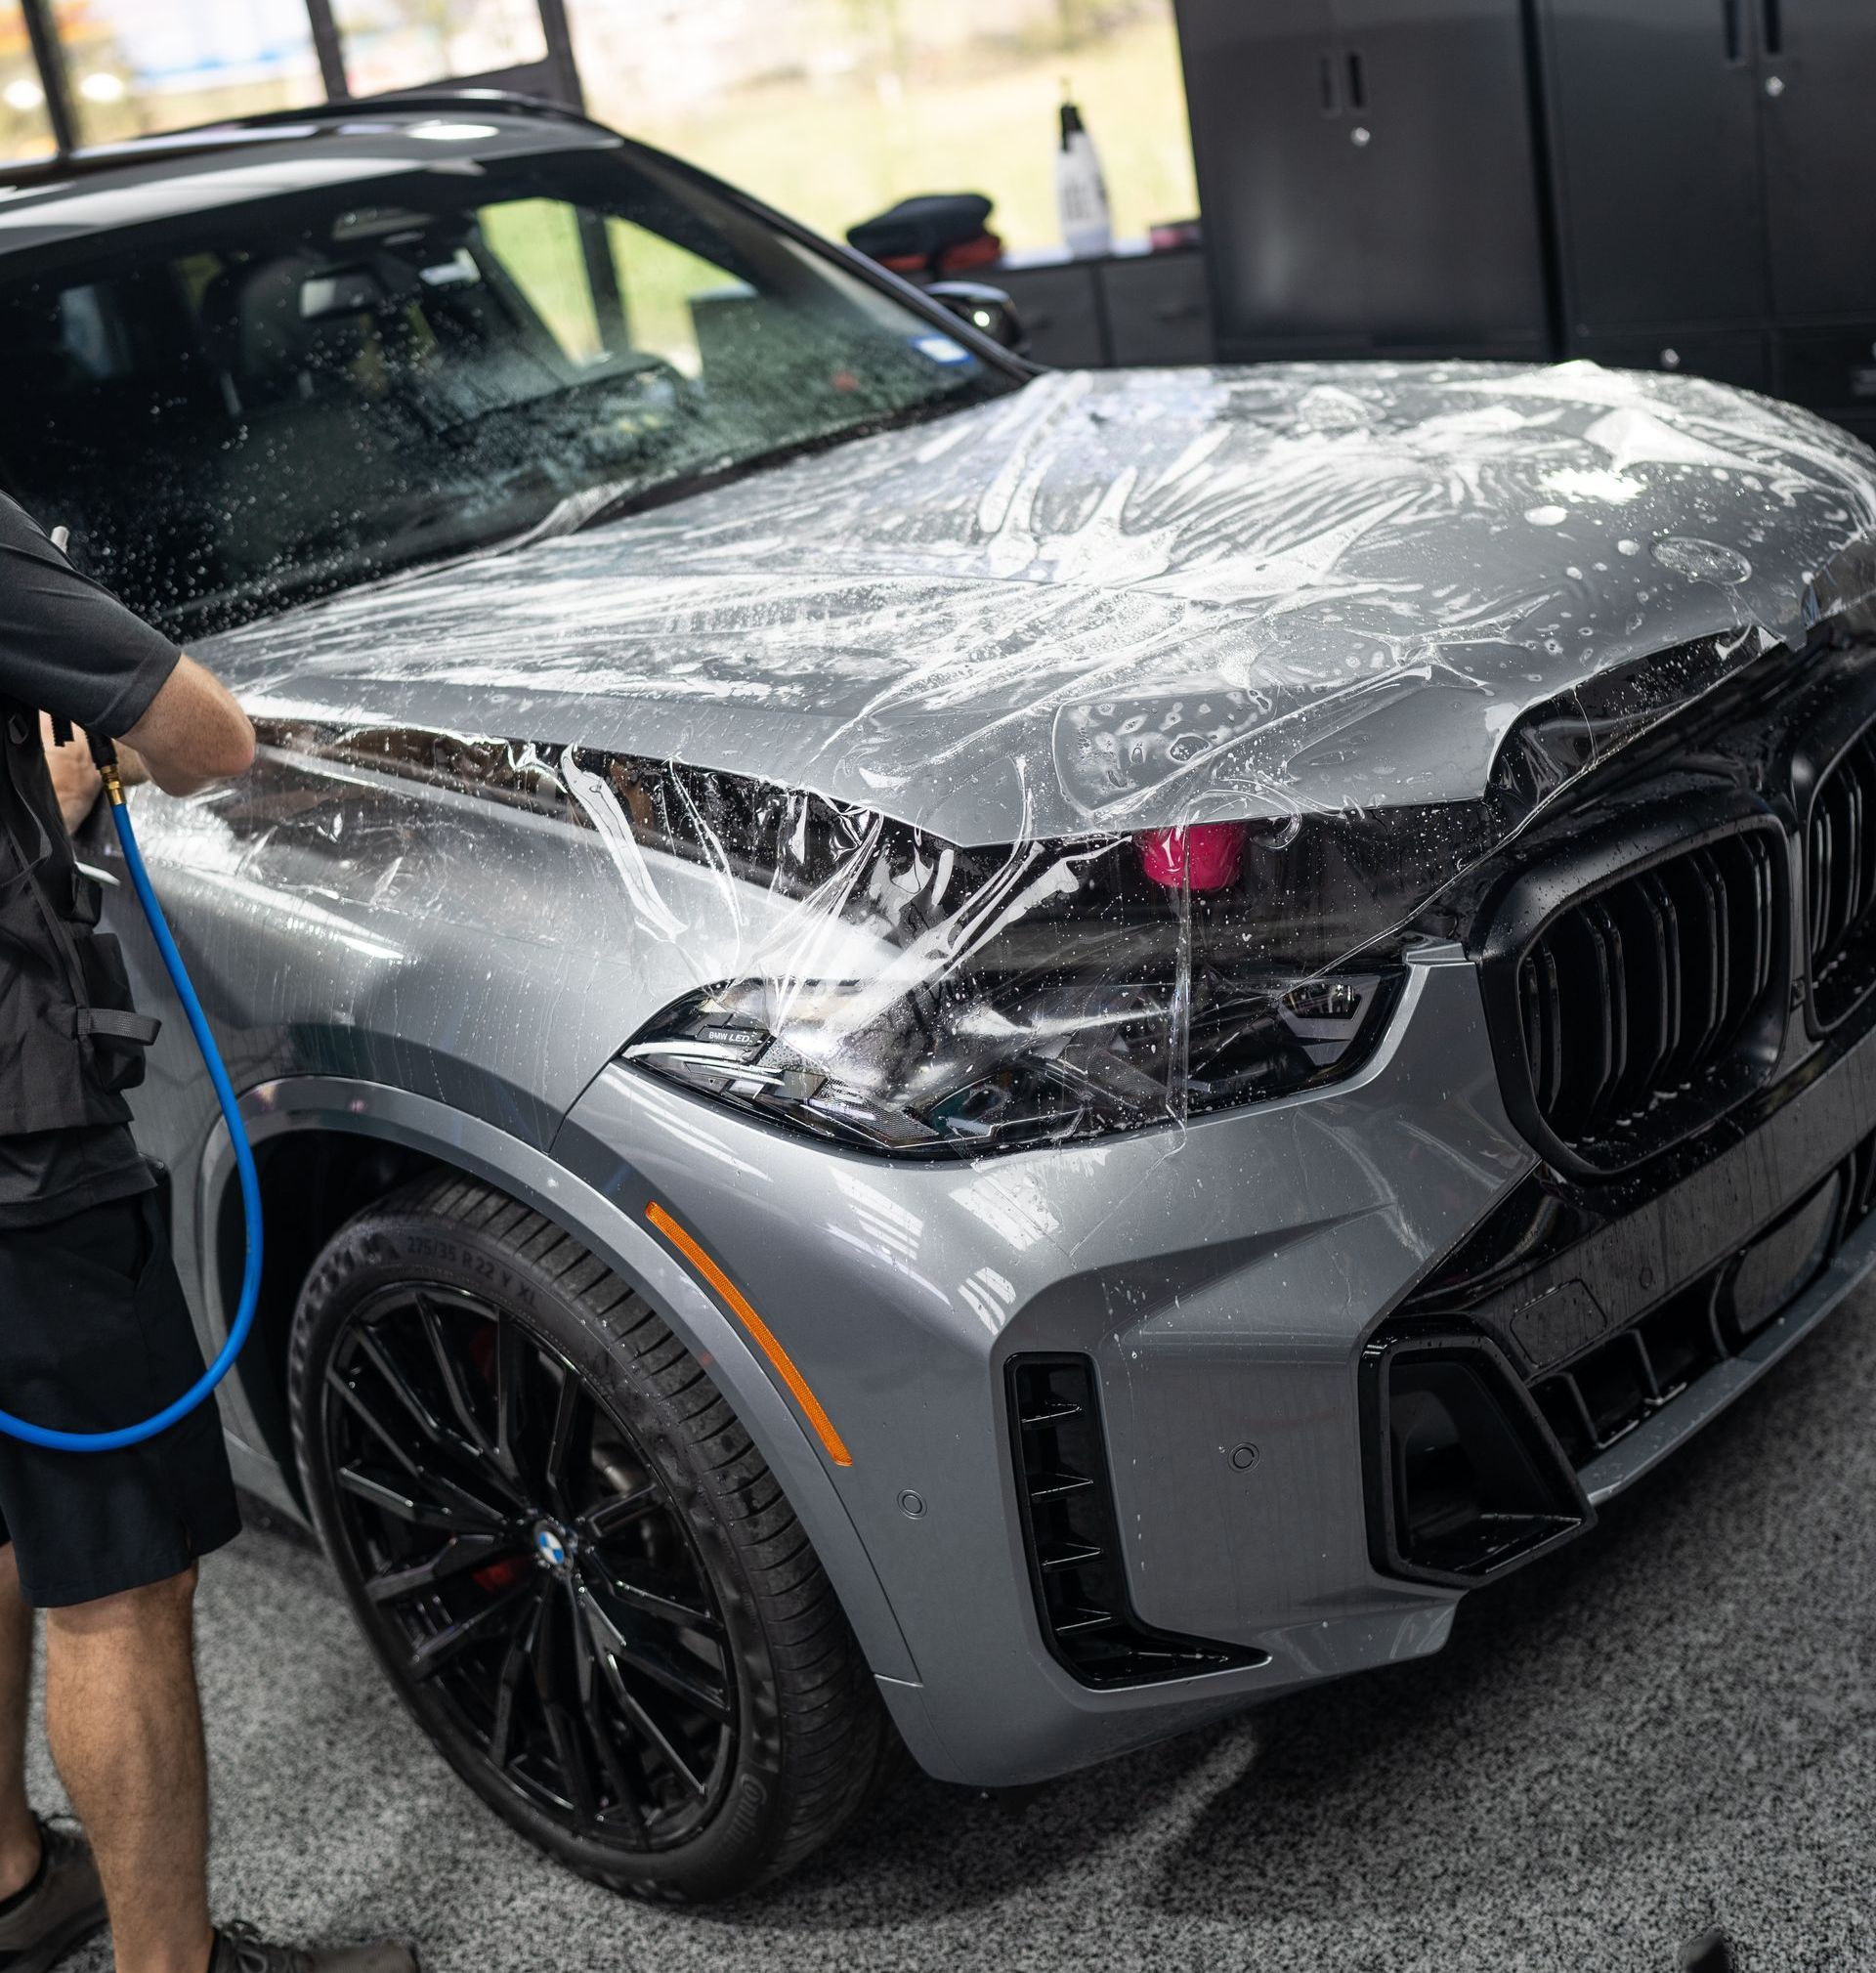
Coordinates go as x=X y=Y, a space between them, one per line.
x=1091 y=758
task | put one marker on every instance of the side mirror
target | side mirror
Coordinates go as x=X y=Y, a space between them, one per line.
x=988 y=310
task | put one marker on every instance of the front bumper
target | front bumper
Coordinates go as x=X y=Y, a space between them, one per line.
x=1223 y=1278
x=1223 y=1281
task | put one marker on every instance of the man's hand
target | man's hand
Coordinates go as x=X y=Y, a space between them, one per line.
x=75 y=782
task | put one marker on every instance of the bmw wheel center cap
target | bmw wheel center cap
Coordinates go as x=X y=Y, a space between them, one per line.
x=552 y=1549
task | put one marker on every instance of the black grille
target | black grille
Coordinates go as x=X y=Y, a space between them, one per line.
x=1628 y=1378
x=1840 y=883
x=1073 y=1541
x=1643 y=1005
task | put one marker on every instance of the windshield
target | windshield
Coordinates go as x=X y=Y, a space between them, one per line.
x=269 y=402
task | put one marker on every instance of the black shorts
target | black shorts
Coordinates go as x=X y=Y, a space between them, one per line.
x=95 y=1334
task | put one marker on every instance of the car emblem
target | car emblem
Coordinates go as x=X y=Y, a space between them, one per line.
x=549 y=1546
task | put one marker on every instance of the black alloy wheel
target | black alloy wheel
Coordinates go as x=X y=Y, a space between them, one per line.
x=564 y=1549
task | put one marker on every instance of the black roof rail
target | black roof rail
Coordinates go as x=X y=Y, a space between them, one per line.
x=337 y=108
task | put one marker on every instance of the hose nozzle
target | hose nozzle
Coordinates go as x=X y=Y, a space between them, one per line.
x=103 y=758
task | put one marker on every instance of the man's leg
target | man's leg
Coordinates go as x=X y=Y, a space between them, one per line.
x=19 y=1833
x=126 y=1729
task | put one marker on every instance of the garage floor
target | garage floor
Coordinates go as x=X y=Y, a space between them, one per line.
x=1673 y=1724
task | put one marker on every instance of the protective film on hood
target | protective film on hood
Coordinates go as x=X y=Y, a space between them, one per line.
x=1087 y=759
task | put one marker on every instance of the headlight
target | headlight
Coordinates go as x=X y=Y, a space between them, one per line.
x=973 y=1065
x=912 y=997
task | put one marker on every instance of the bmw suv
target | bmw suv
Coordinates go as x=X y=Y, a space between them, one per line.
x=942 y=1057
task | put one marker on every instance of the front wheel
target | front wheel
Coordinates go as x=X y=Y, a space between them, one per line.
x=577 y=1572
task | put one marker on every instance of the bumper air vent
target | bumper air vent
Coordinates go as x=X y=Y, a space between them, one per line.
x=1464 y=1482
x=1840 y=883
x=1601 y=1396
x=1073 y=1541
x=1631 y=1006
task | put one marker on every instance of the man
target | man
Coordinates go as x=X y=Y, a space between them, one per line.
x=94 y=1332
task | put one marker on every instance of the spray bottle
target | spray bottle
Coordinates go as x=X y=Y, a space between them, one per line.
x=1080 y=194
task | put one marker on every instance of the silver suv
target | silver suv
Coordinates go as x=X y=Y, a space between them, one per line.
x=942 y=1056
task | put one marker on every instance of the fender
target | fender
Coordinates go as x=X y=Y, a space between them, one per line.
x=381 y=1111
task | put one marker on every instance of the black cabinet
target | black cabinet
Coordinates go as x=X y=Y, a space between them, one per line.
x=1060 y=309
x=1447 y=194
x=1653 y=117
x=1157 y=309
x=1366 y=172
x=1817 y=101
x=1277 y=171
x=1716 y=190
x=1127 y=307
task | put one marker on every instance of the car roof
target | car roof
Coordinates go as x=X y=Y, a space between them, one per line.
x=157 y=177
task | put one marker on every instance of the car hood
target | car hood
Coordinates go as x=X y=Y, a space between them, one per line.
x=1127 y=600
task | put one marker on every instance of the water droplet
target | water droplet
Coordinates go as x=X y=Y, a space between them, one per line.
x=1702 y=561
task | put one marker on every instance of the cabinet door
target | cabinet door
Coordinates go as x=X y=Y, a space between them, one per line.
x=1271 y=141
x=1729 y=357
x=1831 y=369
x=1060 y=311
x=1817 y=92
x=1447 y=239
x=1156 y=309
x=1653 y=116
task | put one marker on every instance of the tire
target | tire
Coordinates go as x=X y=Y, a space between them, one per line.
x=573 y=1566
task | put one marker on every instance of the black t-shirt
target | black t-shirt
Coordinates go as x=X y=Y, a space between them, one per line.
x=69 y=648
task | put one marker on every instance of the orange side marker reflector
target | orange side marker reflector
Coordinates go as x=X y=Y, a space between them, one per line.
x=762 y=1335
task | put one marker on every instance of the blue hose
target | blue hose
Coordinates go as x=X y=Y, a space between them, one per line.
x=135 y=1434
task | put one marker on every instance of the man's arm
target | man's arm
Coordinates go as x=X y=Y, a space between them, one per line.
x=193 y=732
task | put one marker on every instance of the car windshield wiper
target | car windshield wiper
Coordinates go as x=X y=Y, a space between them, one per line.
x=575 y=511
x=600 y=504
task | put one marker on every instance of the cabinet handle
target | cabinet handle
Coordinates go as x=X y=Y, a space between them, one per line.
x=1729 y=18
x=1775 y=26
x=1357 y=93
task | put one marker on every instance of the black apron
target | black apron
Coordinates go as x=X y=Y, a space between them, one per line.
x=69 y=1041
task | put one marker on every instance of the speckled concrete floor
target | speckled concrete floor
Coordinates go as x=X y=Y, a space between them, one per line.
x=1672 y=1725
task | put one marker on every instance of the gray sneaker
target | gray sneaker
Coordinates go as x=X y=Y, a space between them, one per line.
x=239 y=1948
x=66 y=1908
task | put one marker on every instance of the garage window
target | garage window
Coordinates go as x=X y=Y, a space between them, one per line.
x=836 y=108
x=25 y=125
x=398 y=44
x=138 y=65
